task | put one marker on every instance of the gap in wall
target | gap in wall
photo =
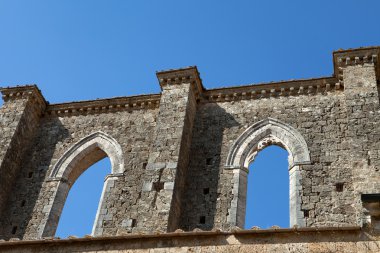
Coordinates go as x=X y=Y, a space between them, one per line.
x=267 y=201
x=78 y=214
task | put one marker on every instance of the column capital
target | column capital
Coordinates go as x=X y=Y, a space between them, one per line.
x=179 y=76
x=236 y=168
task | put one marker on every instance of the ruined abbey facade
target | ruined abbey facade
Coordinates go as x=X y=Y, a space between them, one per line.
x=180 y=162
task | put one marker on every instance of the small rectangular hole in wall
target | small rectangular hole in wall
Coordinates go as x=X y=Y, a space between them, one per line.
x=134 y=223
x=23 y=203
x=202 y=219
x=30 y=175
x=158 y=186
x=206 y=191
x=14 y=230
x=306 y=213
x=339 y=187
x=209 y=161
x=144 y=165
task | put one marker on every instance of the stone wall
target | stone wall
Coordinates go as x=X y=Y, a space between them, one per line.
x=131 y=128
x=19 y=122
x=180 y=158
x=169 y=153
x=320 y=118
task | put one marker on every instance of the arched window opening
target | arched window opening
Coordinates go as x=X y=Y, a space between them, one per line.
x=267 y=201
x=243 y=151
x=72 y=164
x=78 y=215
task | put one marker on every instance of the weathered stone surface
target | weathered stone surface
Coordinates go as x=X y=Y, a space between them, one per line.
x=348 y=240
x=180 y=158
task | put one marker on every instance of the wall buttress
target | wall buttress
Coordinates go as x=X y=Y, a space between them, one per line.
x=165 y=173
x=19 y=120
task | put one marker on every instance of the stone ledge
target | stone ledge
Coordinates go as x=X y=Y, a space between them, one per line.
x=227 y=94
x=142 y=102
x=23 y=91
x=105 y=105
x=300 y=232
x=311 y=86
x=356 y=56
x=182 y=75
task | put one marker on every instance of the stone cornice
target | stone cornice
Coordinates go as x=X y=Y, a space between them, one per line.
x=267 y=90
x=105 y=105
x=182 y=75
x=299 y=232
x=357 y=56
x=24 y=91
x=254 y=91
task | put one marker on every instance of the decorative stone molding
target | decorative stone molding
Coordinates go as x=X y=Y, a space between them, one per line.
x=271 y=130
x=269 y=90
x=357 y=60
x=105 y=105
x=32 y=91
x=182 y=75
x=98 y=140
x=351 y=57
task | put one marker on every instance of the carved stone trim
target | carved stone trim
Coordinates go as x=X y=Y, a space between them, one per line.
x=242 y=150
x=105 y=105
x=270 y=90
x=352 y=57
x=10 y=93
x=182 y=75
x=99 y=139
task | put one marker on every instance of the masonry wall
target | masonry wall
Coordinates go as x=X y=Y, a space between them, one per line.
x=175 y=146
x=19 y=124
x=362 y=100
x=31 y=193
x=322 y=120
x=168 y=158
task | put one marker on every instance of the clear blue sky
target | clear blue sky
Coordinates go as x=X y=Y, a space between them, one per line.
x=76 y=50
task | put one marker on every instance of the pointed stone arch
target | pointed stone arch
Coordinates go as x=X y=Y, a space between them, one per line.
x=70 y=166
x=243 y=151
x=97 y=145
x=263 y=133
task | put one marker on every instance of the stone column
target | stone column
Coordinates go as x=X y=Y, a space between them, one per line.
x=169 y=155
x=358 y=71
x=236 y=212
x=295 y=199
x=19 y=120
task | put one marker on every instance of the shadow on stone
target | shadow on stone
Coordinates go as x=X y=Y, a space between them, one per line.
x=29 y=184
x=200 y=200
